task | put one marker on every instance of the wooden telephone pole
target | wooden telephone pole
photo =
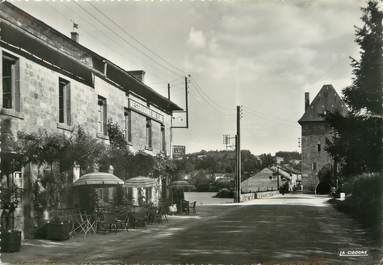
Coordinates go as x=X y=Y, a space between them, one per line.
x=238 y=155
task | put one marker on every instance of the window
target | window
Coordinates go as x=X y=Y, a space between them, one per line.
x=148 y=133
x=64 y=101
x=11 y=89
x=319 y=147
x=163 y=139
x=102 y=126
x=128 y=125
x=314 y=166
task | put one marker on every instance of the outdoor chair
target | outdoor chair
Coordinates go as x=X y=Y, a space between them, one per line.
x=78 y=225
x=192 y=207
x=162 y=214
x=151 y=214
x=107 y=222
x=185 y=207
x=121 y=218
x=138 y=217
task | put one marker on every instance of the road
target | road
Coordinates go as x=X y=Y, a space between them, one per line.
x=296 y=229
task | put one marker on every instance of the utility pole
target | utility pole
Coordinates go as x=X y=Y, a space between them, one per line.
x=187 y=101
x=236 y=171
x=186 y=126
x=168 y=91
x=238 y=150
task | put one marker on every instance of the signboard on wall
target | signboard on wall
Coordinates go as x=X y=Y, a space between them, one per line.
x=179 y=119
x=138 y=107
x=178 y=151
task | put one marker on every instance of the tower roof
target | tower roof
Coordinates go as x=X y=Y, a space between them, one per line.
x=327 y=100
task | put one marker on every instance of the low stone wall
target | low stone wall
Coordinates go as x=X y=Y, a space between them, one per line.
x=258 y=195
x=247 y=197
x=265 y=194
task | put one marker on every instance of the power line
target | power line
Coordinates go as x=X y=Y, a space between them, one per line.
x=196 y=95
x=260 y=113
x=200 y=90
x=125 y=40
x=138 y=41
x=96 y=39
x=212 y=103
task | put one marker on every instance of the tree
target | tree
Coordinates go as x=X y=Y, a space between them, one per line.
x=266 y=160
x=357 y=142
x=10 y=194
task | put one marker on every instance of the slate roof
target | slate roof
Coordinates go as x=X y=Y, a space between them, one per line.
x=327 y=100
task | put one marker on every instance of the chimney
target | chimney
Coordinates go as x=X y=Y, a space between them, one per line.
x=74 y=36
x=307 y=100
x=138 y=74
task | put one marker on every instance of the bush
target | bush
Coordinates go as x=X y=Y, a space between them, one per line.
x=366 y=201
x=224 y=193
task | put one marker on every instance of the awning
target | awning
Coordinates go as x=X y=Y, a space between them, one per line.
x=140 y=182
x=98 y=179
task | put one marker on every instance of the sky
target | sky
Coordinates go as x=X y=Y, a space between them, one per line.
x=260 y=54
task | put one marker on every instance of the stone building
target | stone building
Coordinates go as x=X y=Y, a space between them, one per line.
x=315 y=134
x=52 y=82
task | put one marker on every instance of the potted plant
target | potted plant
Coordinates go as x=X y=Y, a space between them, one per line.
x=57 y=229
x=10 y=238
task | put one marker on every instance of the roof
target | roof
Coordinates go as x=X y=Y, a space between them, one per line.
x=327 y=100
x=259 y=181
x=25 y=34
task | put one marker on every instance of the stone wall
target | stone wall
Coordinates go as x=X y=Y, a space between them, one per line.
x=312 y=135
x=258 y=195
x=39 y=100
x=39 y=88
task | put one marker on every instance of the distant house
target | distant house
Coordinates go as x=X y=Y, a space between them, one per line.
x=224 y=178
x=279 y=159
x=262 y=181
x=287 y=175
x=295 y=161
x=316 y=132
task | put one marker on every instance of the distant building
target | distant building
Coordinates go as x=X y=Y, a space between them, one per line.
x=265 y=180
x=279 y=160
x=316 y=132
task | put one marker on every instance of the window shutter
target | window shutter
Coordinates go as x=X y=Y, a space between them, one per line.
x=105 y=125
x=16 y=78
x=68 y=105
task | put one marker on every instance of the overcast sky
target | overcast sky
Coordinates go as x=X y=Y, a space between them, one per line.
x=260 y=54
